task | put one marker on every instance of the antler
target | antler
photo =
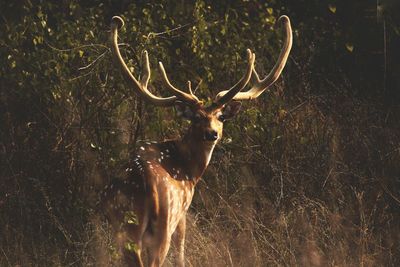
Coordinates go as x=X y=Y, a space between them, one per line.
x=230 y=94
x=141 y=86
x=258 y=85
x=190 y=98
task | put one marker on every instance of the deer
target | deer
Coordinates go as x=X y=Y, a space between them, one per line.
x=148 y=208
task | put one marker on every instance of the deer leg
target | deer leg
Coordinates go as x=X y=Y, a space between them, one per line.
x=132 y=258
x=130 y=248
x=157 y=253
x=178 y=239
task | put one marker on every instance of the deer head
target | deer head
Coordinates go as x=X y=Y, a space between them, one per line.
x=206 y=121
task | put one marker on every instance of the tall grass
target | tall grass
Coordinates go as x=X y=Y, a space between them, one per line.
x=309 y=187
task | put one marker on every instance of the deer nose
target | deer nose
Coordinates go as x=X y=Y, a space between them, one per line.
x=210 y=135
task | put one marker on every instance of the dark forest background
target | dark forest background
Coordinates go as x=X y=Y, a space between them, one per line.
x=307 y=175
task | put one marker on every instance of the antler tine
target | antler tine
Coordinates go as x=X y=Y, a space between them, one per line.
x=140 y=87
x=258 y=85
x=189 y=83
x=144 y=81
x=230 y=94
x=189 y=98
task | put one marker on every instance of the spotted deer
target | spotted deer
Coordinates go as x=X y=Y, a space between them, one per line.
x=148 y=207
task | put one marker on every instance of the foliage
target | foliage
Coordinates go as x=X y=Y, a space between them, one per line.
x=307 y=175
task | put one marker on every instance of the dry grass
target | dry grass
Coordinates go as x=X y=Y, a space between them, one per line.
x=310 y=187
x=296 y=202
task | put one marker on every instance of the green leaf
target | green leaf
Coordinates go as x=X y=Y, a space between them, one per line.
x=131 y=218
x=131 y=246
x=349 y=47
x=332 y=8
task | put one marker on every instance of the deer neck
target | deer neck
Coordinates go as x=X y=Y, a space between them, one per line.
x=197 y=155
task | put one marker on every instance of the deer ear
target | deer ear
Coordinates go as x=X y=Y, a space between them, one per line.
x=183 y=110
x=231 y=109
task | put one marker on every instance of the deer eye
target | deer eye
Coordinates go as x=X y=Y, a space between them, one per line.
x=221 y=118
x=196 y=117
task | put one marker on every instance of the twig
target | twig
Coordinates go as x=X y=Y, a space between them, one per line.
x=8 y=261
x=298 y=106
x=94 y=61
x=327 y=177
x=51 y=214
x=386 y=189
x=81 y=76
x=75 y=48
x=153 y=34
x=226 y=203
